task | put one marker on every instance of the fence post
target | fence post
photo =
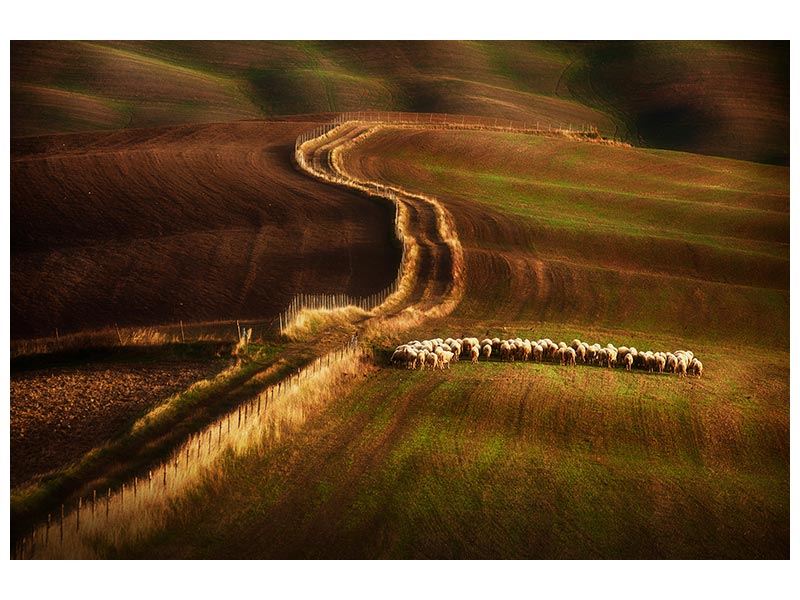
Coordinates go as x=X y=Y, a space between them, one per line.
x=61 y=526
x=108 y=501
x=78 y=515
x=47 y=531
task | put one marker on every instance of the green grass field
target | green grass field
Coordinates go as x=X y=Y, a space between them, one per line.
x=511 y=461
x=519 y=460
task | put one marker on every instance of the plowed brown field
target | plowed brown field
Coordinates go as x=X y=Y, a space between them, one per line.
x=60 y=413
x=194 y=223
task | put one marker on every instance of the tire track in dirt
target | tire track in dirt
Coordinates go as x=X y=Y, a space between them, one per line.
x=437 y=283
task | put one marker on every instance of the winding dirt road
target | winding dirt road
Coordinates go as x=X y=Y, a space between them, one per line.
x=435 y=273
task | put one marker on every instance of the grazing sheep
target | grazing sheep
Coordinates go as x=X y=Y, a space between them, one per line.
x=404 y=355
x=628 y=361
x=438 y=352
x=445 y=359
x=682 y=366
x=591 y=354
x=538 y=353
x=569 y=357
x=696 y=367
x=561 y=355
x=432 y=360
x=455 y=346
x=602 y=357
x=524 y=350
x=580 y=352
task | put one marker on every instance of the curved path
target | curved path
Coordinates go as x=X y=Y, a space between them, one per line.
x=431 y=273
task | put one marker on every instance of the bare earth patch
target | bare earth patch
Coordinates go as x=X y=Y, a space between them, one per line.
x=60 y=413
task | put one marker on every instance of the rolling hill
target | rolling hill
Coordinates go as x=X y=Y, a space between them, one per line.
x=500 y=460
x=720 y=98
x=153 y=182
x=197 y=223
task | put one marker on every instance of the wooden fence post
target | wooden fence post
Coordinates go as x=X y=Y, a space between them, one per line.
x=61 y=526
x=78 y=515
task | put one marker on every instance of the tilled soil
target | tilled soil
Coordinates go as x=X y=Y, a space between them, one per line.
x=60 y=413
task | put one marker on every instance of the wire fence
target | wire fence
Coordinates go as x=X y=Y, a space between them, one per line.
x=212 y=331
x=108 y=517
x=453 y=121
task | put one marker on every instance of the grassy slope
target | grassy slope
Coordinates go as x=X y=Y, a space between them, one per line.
x=598 y=236
x=71 y=86
x=728 y=99
x=537 y=461
x=510 y=461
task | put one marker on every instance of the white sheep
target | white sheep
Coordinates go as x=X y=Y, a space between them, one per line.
x=538 y=353
x=487 y=350
x=506 y=351
x=569 y=357
x=475 y=353
x=432 y=360
x=696 y=367
x=628 y=361
x=445 y=359
x=682 y=366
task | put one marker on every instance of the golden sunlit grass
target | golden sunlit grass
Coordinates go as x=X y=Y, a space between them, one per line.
x=105 y=521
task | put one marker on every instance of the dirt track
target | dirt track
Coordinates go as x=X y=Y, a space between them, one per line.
x=198 y=223
x=434 y=277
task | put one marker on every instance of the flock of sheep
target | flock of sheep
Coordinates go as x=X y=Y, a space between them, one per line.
x=439 y=353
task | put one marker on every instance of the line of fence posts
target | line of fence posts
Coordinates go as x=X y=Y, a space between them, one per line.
x=115 y=503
